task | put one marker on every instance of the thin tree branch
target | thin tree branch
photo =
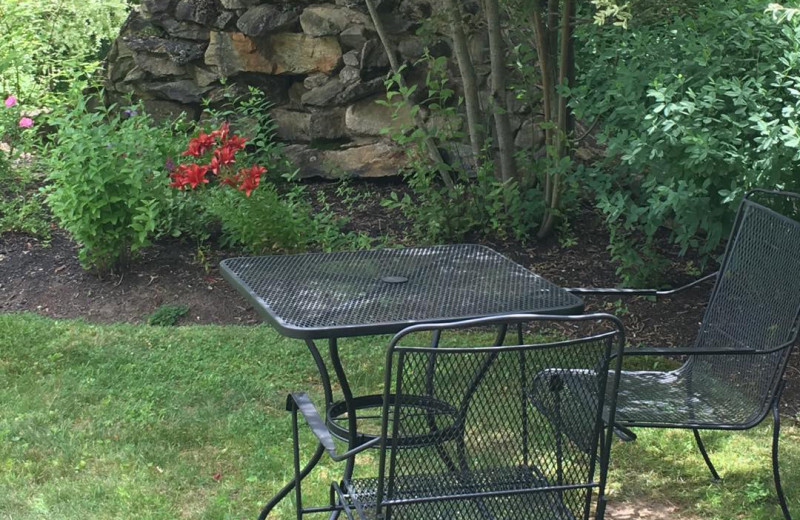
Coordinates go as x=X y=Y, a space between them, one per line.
x=433 y=151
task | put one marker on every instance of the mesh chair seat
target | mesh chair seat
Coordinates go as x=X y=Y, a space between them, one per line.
x=650 y=398
x=546 y=504
x=679 y=397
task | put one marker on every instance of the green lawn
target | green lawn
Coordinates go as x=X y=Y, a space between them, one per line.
x=155 y=422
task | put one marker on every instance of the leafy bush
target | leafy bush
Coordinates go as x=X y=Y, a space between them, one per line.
x=263 y=222
x=44 y=42
x=108 y=182
x=695 y=111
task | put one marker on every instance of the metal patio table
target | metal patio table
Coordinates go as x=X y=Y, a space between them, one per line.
x=333 y=295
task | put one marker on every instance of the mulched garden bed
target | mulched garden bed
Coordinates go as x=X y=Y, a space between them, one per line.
x=47 y=278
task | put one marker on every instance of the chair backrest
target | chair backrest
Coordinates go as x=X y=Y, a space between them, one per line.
x=754 y=305
x=503 y=432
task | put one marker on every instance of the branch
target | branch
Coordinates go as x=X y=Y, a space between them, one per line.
x=433 y=151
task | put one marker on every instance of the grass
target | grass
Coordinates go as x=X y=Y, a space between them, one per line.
x=122 y=421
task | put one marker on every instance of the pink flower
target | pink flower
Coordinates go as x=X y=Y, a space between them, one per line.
x=25 y=122
x=11 y=101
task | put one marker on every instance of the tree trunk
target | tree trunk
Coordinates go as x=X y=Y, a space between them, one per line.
x=553 y=22
x=468 y=77
x=505 y=140
x=433 y=151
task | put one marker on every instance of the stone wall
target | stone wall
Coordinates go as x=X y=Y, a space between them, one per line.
x=320 y=64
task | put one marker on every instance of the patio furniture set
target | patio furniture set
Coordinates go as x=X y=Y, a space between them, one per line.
x=481 y=415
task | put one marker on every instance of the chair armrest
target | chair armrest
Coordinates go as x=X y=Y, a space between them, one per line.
x=300 y=401
x=645 y=351
x=588 y=291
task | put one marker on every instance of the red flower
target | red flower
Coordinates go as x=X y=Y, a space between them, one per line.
x=199 y=145
x=222 y=132
x=193 y=174
x=235 y=142
x=223 y=155
x=178 y=179
x=250 y=178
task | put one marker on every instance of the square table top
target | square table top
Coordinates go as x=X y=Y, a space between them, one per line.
x=355 y=293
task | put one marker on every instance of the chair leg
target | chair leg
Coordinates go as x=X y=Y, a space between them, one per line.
x=703 y=452
x=776 y=429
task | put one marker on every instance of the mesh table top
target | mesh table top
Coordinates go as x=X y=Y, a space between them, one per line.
x=321 y=295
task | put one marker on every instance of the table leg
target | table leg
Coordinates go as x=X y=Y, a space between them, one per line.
x=274 y=501
x=352 y=424
x=327 y=390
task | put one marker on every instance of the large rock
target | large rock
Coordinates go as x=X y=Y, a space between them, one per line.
x=323 y=95
x=330 y=20
x=223 y=20
x=368 y=117
x=239 y=4
x=355 y=36
x=203 y=76
x=181 y=52
x=378 y=159
x=529 y=136
x=150 y=8
x=373 y=59
x=158 y=66
x=184 y=30
x=307 y=126
x=183 y=91
x=281 y=53
x=349 y=75
x=360 y=90
x=264 y=19
x=352 y=58
x=162 y=111
x=197 y=11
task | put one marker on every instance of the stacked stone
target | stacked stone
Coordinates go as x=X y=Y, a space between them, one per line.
x=321 y=65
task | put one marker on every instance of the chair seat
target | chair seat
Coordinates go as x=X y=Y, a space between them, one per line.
x=648 y=398
x=539 y=505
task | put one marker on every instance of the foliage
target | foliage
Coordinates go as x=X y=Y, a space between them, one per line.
x=107 y=180
x=264 y=222
x=43 y=42
x=22 y=205
x=167 y=315
x=479 y=202
x=695 y=111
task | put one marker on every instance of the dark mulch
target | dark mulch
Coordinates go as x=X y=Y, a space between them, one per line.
x=48 y=279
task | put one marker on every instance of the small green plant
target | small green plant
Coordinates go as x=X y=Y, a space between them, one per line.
x=167 y=315
x=107 y=182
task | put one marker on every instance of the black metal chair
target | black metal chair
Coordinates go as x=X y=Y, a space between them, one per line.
x=733 y=376
x=489 y=432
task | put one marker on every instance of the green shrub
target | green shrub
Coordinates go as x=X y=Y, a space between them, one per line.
x=45 y=42
x=108 y=181
x=263 y=222
x=695 y=110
